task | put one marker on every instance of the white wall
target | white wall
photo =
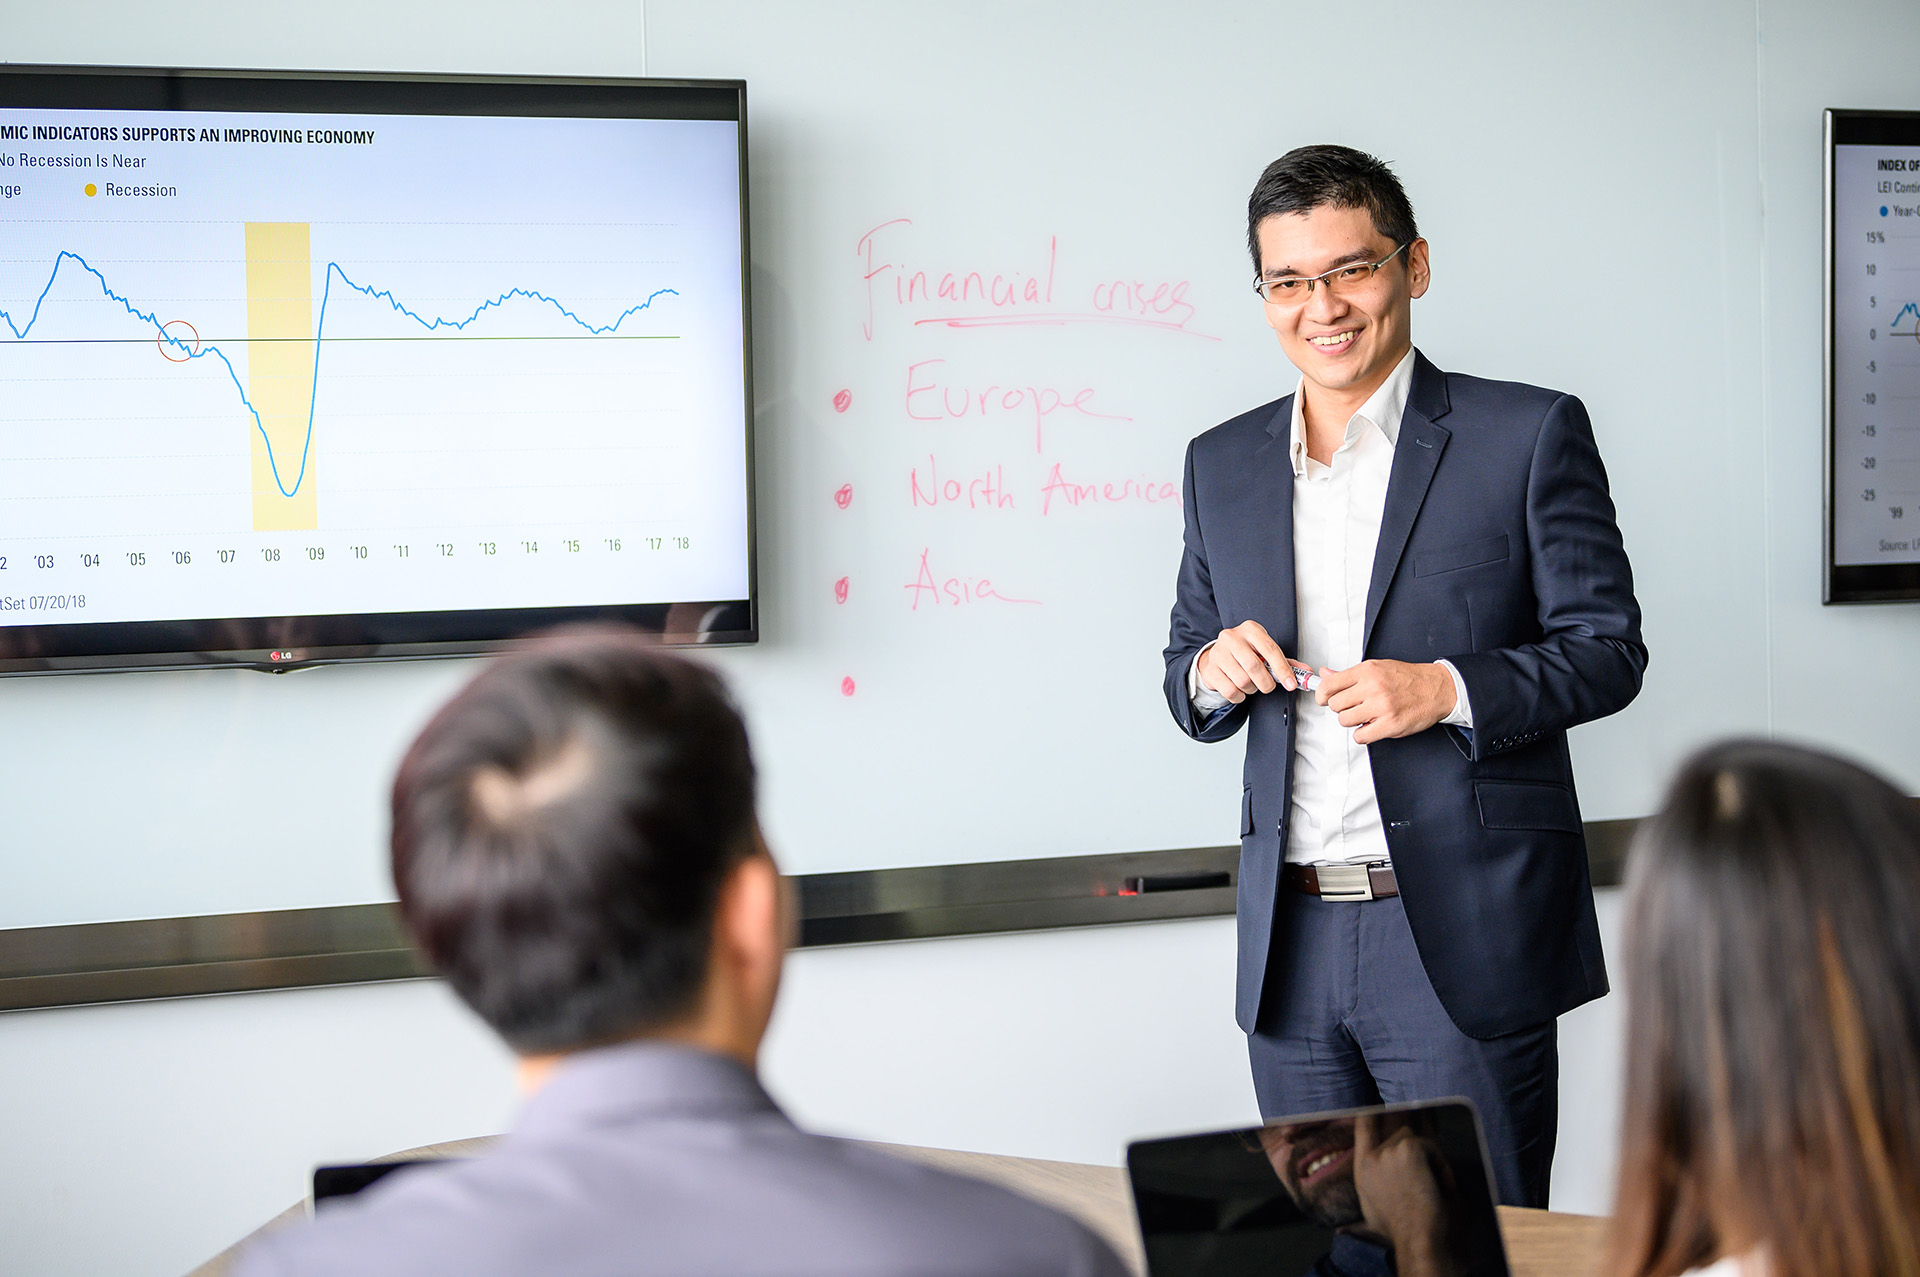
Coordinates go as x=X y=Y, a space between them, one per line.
x=142 y=1139
x=139 y=1139
x=1864 y=654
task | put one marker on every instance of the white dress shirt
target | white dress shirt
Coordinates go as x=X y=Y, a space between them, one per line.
x=1335 y=817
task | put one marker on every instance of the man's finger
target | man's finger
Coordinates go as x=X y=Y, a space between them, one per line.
x=1364 y=1135
x=1229 y=659
x=1344 y=699
x=1335 y=681
x=1262 y=642
x=1214 y=676
x=1378 y=729
x=1254 y=667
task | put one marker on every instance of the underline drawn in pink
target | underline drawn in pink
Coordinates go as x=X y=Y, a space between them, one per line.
x=1058 y=319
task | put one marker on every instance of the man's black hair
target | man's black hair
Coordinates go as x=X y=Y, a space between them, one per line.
x=1310 y=177
x=561 y=831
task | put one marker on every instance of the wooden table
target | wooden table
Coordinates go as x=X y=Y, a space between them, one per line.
x=1539 y=1243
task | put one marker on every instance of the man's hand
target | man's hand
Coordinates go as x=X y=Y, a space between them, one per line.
x=1244 y=660
x=1385 y=699
x=1401 y=1198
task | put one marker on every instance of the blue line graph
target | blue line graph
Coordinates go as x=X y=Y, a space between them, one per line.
x=1911 y=308
x=20 y=332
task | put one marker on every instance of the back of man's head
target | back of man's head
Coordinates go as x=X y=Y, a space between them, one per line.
x=561 y=832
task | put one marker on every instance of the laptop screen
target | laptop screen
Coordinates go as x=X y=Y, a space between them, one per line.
x=1361 y=1193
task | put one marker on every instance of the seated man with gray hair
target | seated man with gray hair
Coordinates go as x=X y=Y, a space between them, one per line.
x=576 y=850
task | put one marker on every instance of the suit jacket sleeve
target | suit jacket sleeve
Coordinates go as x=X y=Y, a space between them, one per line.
x=1589 y=659
x=1195 y=623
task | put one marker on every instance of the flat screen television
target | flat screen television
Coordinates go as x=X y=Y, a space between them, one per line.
x=300 y=368
x=1872 y=357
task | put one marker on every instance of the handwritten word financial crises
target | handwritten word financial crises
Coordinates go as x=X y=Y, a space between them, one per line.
x=1031 y=293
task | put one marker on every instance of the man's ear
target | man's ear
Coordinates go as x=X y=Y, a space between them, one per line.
x=749 y=921
x=1419 y=268
x=749 y=946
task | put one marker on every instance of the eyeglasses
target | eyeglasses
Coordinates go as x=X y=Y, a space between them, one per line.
x=1292 y=290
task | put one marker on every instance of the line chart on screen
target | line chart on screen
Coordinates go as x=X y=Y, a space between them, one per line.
x=187 y=344
x=291 y=407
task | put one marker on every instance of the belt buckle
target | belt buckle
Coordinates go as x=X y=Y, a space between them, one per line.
x=1344 y=882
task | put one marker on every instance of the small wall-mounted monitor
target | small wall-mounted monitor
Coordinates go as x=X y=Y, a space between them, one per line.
x=1873 y=356
x=307 y=367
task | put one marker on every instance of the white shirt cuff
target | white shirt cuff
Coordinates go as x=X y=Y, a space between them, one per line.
x=1462 y=713
x=1204 y=698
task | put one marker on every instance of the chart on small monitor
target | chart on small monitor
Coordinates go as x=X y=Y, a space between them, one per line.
x=280 y=365
x=1874 y=362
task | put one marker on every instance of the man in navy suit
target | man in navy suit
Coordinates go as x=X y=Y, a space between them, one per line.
x=1440 y=552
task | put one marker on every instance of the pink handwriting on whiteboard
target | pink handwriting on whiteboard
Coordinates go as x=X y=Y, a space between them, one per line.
x=953 y=591
x=984 y=491
x=903 y=286
x=929 y=398
x=1065 y=492
x=963 y=296
x=1162 y=299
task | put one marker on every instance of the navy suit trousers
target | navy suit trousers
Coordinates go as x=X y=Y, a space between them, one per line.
x=1352 y=1020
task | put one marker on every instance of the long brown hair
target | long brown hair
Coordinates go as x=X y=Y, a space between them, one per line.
x=1773 y=1021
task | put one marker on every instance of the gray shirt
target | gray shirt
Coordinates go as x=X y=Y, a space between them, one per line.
x=651 y=1158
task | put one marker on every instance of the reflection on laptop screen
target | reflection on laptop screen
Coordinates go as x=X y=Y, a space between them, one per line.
x=1362 y=1193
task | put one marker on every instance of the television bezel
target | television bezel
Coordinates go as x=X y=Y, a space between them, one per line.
x=1853 y=582
x=283 y=643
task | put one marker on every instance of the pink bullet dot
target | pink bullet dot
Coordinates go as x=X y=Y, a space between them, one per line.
x=844 y=497
x=846 y=687
x=840 y=590
x=843 y=401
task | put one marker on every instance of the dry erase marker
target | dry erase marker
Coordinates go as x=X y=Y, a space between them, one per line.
x=1307 y=678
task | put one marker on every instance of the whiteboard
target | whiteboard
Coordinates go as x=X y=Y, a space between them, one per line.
x=1014 y=456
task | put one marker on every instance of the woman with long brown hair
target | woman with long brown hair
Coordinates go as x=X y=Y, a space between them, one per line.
x=1772 y=1124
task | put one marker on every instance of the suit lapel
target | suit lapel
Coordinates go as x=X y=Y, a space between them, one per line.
x=1276 y=605
x=1415 y=457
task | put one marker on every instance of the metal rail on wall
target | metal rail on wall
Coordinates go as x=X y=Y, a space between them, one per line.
x=349 y=944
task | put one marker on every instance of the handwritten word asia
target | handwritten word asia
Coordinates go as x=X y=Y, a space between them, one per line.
x=933 y=590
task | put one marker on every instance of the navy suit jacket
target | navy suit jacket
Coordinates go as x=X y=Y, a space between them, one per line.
x=1498 y=551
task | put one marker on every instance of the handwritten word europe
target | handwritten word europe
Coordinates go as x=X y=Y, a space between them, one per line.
x=930 y=398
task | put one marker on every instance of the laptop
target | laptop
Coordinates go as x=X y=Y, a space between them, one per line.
x=1397 y=1188
x=335 y=1184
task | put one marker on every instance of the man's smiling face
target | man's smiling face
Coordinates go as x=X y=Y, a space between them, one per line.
x=1344 y=341
x=1314 y=1160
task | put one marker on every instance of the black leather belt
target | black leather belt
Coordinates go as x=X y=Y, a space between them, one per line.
x=1342 y=882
